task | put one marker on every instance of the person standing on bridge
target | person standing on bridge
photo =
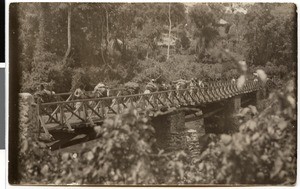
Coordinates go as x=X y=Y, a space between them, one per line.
x=181 y=84
x=151 y=87
x=78 y=94
x=101 y=90
x=200 y=83
x=43 y=93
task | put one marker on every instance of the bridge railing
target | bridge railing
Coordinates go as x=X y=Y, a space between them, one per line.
x=70 y=95
x=90 y=110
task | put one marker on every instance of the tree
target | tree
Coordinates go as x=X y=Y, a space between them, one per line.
x=271 y=33
x=206 y=19
x=170 y=27
x=69 y=33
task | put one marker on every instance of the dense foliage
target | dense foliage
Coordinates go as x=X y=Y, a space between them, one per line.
x=124 y=154
x=262 y=152
x=118 y=42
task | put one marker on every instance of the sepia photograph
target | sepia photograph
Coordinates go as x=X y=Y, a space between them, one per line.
x=152 y=94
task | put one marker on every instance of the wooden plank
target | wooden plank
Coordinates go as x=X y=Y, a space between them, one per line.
x=52 y=118
x=73 y=113
x=91 y=108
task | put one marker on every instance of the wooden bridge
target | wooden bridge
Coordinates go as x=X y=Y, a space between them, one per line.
x=69 y=113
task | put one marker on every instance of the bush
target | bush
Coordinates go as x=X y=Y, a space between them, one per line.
x=262 y=152
x=123 y=154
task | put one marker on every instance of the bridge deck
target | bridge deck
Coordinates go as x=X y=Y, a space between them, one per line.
x=71 y=113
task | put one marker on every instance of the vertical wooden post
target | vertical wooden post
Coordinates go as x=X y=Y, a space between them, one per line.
x=61 y=114
x=38 y=114
x=84 y=111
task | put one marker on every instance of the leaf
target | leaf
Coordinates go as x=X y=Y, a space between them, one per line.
x=260 y=175
x=241 y=81
x=277 y=167
x=264 y=157
x=45 y=170
x=109 y=122
x=242 y=127
x=253 y=109
x=271 y=130
x=65 y=156
x=242 y=66
x=225 y=139
x=208 y=167
x=109 y=145
x=282 y=174
x=255 y=136
x=24 y=146
x=282 y=125
x=291 y=100
x=243 y=112
x=126 y=127
x=252 y=125
x=97 y=129
x=89 y=155
x=262 y=75
x=180 y=169
x=74 y=156
x=248 y=141
x=290 y=86
x=87 y=170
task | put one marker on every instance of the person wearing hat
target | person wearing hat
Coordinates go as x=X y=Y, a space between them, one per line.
x=43 y=93
x=100 y=90
x=151 y=86
x=181 y=84
x=78 y=94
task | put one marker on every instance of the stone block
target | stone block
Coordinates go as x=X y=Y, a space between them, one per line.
x=28 y=118
x=170 y=131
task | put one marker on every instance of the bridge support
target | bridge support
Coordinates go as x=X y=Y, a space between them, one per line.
x=28 y=119
x=170 y=131
x=232 y=107
x=219 y=117
x=260 y=95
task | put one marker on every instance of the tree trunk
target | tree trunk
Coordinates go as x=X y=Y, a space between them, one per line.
x=107 y=29
x=170 y=27
x=69 y=34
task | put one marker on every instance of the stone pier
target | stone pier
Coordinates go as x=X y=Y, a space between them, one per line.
x=28 y=119
x=232 y=106
x=170 y=131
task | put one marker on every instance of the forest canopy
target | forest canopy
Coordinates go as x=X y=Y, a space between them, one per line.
x=120 y=42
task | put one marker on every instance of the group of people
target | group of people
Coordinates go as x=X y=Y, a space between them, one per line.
x=101 y=90
x=44 y=94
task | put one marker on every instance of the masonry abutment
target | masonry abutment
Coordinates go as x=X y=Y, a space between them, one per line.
x=170 y=131
x=28 y=117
